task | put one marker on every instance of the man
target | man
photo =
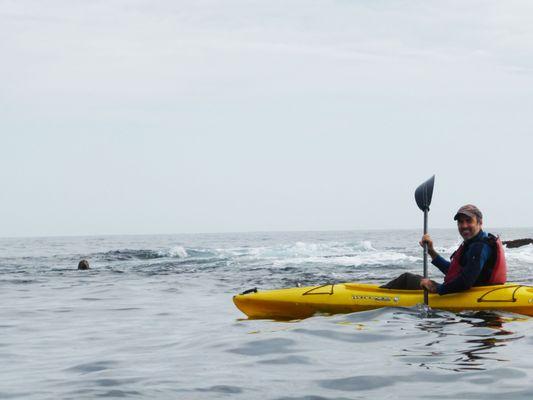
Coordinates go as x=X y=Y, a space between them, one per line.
x=480 y=260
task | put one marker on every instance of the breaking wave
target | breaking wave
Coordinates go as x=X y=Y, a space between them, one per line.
x=177 y=251
x=143 y=254
x=520 y=255
x=332 y=253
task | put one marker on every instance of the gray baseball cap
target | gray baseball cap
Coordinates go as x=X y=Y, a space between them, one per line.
x=469 y=210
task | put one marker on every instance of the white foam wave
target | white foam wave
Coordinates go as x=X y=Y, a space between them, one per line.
x=520 y=255
x=303 y=249
x=378 y=258
x=367 y=245
x=177 y=251
x=346 y=254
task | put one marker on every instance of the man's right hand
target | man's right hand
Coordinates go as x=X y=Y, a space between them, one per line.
x=431 y=250
x=429 y=285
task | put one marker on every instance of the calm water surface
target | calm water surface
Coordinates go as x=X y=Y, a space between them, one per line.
x=153 y=318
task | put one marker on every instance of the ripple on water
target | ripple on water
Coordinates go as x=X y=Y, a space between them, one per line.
x=462 y=342
x=15 y=395
x=526 y=394
x=361 y=382
x=313 y=397
x=360 y=337
x=90 y=393
x=87 y=368
x=106 y=382
x=118 y=393
x=267 y=346
x=287 y=360
x=225 y=389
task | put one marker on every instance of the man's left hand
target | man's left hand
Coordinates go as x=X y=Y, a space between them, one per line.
x=429 y=285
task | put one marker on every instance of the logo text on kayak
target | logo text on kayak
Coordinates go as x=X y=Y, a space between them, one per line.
x=375 y=298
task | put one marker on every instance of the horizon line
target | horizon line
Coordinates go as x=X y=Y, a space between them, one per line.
x=238 y=232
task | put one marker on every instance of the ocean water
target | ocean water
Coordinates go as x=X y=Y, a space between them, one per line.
x=154 y=318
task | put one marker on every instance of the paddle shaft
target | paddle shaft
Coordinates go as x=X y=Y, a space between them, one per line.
x=426 y=295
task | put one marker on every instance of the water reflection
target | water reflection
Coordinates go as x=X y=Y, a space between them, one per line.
x=465 y=341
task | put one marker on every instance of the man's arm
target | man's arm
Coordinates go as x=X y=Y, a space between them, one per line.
x=441 y=263
x=437 y=260
x=476 y=258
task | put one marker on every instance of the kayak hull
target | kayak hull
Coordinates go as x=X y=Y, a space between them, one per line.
x=304 y=302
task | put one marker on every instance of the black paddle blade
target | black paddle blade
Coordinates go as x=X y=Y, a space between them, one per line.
x=423 y=194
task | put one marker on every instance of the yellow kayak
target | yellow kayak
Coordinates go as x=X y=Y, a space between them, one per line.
x=303 y=302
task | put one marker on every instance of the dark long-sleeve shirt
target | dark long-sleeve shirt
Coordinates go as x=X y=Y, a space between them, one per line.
x=473 y=260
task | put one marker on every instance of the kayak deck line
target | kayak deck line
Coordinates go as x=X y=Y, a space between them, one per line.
x=312 y=291
x=303 y=302
x=512 y=300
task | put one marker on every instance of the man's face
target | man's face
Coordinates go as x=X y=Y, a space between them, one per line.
x=468 y=226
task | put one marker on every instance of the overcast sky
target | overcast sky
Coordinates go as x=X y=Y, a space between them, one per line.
x=166 y=116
